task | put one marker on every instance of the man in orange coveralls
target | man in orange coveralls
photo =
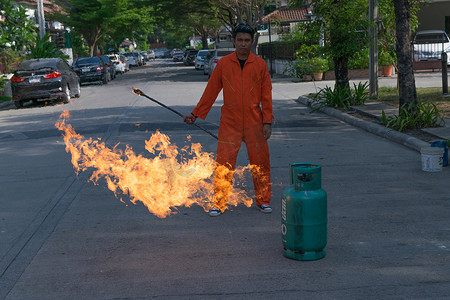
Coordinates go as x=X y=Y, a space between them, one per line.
x=246 y=115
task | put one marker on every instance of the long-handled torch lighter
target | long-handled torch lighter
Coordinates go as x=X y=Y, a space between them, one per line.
x=141 y=93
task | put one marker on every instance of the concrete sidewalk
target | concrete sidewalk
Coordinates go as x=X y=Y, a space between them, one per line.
x=372 y=127
x=375 y=109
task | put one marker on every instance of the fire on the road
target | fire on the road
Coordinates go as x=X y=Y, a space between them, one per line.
x=174 y=177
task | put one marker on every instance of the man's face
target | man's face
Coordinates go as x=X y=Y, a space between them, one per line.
x=243 y=43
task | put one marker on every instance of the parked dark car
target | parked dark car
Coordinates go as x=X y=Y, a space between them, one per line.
x=189 y=57
x=178 y=56
x=110 y=66
x=91 y=69
x=200 y=59
x=44 y=79
x=159 y=53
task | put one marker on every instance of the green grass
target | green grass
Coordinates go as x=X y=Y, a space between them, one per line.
x=3 y=81
x=5 y=99
x=433 y=94
x=389 y=95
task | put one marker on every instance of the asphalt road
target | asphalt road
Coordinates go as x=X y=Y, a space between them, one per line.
x=63 y=237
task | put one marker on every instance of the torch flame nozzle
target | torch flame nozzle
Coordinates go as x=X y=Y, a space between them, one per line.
x=138 y=92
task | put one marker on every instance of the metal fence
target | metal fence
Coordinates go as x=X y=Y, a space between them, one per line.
x=428 y=48
x=279 y=50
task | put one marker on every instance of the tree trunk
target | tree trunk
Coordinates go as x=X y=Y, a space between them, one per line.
x=341 y=71
x=91 y=50
x=406 y=82
x=92 y=38
x=205 y=39
x=255 y=43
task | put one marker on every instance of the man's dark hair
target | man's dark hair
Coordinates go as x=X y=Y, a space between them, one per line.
x=243 y=28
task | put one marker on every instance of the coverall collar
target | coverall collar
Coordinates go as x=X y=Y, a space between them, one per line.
x=251 y=57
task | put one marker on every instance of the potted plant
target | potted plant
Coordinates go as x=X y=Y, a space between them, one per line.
x=385 y=60
x=318 y=66
x=299 y=69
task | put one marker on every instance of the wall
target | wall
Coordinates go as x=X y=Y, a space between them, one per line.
x=264 y=38
x=278 y=66
x=432 y=15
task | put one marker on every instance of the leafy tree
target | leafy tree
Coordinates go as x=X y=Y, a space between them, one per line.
x=206 y=16
x=173 y=35
x=134 y=20
x=233 y=12
x=102 y=22
x=16 y=34
x=92 y=19
x=344 y=24
x=181 y=18
x=16 y=31
x=339 y=17
x=44 y=48
x=89 y=18
x=79 y=47
x=205 y=25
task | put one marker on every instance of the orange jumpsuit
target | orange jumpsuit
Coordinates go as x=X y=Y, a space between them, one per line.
x=247 y=106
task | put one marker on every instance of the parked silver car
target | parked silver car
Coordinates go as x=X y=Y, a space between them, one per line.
x=200 y=59
x=206 y=62
x=151 y=54
x=216 y=56
x=132 y=61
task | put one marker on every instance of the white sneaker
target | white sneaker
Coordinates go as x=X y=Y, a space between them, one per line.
x=265 y=208
x=215 y=212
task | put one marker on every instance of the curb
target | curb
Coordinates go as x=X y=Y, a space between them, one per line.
x=390 y=134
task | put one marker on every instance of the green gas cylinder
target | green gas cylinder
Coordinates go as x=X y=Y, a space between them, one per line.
x=304 y=213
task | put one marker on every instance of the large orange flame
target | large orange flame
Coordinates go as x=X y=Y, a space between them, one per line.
x=174 y=177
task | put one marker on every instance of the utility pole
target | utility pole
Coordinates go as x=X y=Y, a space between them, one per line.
x=270 y=49
x=41 y=19
x=373 y=50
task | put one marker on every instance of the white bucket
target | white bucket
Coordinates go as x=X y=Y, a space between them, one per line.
x=432 y=158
